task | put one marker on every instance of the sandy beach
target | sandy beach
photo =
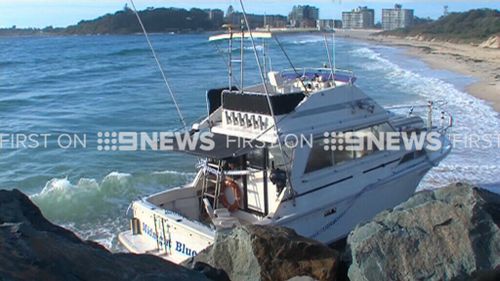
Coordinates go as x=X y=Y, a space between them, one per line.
x=480 y=63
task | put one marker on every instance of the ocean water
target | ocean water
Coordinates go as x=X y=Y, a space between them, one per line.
x=88 y=84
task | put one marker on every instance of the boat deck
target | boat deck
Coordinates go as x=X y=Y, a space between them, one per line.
x=139 y=244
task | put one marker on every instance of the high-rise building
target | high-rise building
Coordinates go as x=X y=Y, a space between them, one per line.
x=359 y=18
x=396 y=18
x=303 y=16
x=275 y=21
x=337 y=23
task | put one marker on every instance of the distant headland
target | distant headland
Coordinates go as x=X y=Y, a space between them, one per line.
x=156 y=20
x=159 y=20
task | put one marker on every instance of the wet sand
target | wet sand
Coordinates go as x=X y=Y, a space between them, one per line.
x=481 y=63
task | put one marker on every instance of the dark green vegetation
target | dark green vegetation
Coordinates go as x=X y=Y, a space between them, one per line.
x=471 y=26
x=155 y=20
x=125 y=22
x=30 y=31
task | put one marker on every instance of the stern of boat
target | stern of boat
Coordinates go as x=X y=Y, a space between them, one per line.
x=159 y=229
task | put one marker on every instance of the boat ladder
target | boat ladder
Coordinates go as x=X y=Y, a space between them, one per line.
x=163 y=243
x=213 y=169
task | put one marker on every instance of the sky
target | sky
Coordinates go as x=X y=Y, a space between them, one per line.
x=61 y=13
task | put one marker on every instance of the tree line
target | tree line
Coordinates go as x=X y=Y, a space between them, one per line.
x=125 y=22
x=471 y=26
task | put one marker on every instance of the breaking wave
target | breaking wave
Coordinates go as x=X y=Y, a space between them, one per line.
x=307 y=40
x=472 y=117
x=96 y=209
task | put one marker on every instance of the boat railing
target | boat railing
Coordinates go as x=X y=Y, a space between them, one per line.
x=255 y=91
x=342 y=75
x=441 y=122
x=207 y=169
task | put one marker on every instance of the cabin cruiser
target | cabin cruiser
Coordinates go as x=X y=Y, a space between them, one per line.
x=259 y=171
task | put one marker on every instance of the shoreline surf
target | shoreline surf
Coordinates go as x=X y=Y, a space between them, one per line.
x=480 y=63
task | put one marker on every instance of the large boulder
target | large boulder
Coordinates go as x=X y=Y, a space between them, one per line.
x=447 y=234
x=32 y=248
x=254 y=253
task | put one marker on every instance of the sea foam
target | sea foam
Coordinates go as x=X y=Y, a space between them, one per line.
x=96 y=209
x=472 y=117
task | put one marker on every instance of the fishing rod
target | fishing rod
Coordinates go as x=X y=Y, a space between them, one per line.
x=160 y=67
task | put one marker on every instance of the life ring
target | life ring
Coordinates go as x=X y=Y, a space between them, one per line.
x=237 y=195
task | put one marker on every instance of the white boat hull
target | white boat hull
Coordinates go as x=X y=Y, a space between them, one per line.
x=186 y=241
x=178 y=237
x=355 y=209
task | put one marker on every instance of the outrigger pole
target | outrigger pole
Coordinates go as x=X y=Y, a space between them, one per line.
x=271 y=110
x=334 y=51
x=329 y=58
x=159 y=65
x=230 y=69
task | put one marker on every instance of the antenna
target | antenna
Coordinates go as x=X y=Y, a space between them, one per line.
x=160 y=67
x=334 y=56
x=230 y=61
x=329 y=57
x=242 y=52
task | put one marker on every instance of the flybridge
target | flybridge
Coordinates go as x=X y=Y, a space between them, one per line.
x=288 y=81
x=253 y=111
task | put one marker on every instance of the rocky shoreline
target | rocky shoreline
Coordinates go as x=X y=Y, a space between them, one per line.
x=452 y=233
x=448 y=234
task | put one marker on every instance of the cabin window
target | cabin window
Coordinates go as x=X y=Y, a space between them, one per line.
x=341 y=156
x=319 y=158
x=420 y=153
x=255 y=159
x=412 y=155
x=381 y=128
x=408 y=157
x=344 y=152
x=276 y=157
x=364 y=137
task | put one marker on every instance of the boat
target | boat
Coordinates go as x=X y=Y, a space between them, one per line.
x=258 y=171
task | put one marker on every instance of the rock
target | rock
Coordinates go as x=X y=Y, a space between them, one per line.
x=32 y=248
x=344 y=260
x=493 y=42
x=487 y=275
x=265 y=253
x=212 y=273
x=302 y=278
x=447 y=234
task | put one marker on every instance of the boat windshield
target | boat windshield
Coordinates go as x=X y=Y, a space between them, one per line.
x=276 y=157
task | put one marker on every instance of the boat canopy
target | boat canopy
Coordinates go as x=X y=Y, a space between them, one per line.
x=227 y=36
x=224 y=146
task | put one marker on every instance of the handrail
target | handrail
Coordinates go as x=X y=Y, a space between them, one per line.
x=431 y=106
x=328 y=70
